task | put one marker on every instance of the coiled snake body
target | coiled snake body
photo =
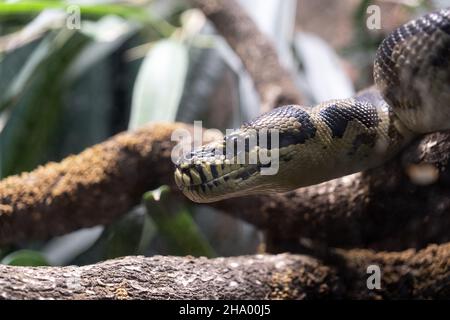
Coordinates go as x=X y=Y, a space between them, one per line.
x=338 y=137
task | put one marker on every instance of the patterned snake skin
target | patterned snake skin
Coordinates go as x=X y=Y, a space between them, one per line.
x=338 y=137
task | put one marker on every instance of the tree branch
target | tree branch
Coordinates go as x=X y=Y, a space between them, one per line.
x=381 y=208
x=159 y=277
x=409 y=274
x=272 y=81
x=88 y=189
x=103 y=182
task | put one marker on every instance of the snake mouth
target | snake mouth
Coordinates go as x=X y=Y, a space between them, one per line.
x=206 y=175
x=206 y=181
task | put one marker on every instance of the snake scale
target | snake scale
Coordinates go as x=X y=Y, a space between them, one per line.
x=411 y=97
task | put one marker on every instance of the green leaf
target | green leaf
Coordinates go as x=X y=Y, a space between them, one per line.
x=98 y=10
x=159 y=84
x=176 y=225
x=87 y=11
x=25 y=258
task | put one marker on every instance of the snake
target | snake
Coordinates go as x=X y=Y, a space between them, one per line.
x=314 y=144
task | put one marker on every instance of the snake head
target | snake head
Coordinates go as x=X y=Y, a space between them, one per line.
x=250 y=160
x=212 y=173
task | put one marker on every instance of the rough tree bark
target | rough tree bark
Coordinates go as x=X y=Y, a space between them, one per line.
x=91 y=188
x=409 y=274
x=246 y=277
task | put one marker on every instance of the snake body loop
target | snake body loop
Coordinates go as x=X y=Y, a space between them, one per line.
x=337 y=137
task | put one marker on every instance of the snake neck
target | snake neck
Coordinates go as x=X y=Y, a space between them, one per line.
x=312 y=145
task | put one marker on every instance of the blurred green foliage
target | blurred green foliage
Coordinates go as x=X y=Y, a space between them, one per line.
x=36 y=96
x=64 y=89
x=25 y=258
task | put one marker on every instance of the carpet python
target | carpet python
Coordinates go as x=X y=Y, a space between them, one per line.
x=411 y=97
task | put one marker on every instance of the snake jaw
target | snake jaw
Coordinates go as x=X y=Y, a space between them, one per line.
x=213 y=172
x=203 y=181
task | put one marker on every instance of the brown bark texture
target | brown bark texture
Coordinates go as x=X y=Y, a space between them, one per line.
x=91 y=188
x=405 y=275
